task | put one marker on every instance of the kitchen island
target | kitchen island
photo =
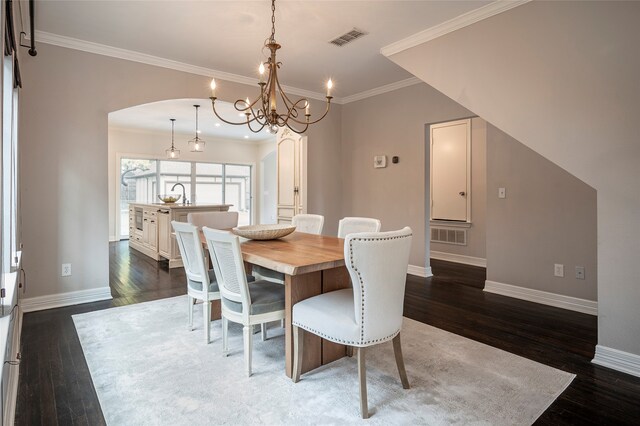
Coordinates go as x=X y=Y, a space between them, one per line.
x=150 y=230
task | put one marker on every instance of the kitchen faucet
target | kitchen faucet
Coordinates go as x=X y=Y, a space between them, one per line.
x=184 y=194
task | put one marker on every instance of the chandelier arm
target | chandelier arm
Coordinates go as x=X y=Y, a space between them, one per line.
x=284 y=96
x=256 y=130
x=285 y=122
x=227 y=121
x=315 y=121
x=292 y=111
x=296 y=130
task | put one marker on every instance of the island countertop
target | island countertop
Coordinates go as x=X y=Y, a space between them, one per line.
x=223 y=207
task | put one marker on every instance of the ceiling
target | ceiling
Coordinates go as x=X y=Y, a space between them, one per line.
x=156 y=117
x=228 y=35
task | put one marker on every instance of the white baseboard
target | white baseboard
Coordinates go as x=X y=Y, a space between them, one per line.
x=419 y=271
x=65 y=299
x=113 y=238
x=11 y=399
x=552 y=299
x=615 y=359
x=459 y=258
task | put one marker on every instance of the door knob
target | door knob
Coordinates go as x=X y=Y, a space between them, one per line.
x=462 y=193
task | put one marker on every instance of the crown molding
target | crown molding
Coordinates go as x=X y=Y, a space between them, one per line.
x=451 y=25
x=382 y=89
x=131 y=55
x=143 y=58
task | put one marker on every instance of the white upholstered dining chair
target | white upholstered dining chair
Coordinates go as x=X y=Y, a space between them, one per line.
x=201 y=282
x=215 y=220
x=244 y=303
x=351 y=225
x=309 y=223
x=368 y=314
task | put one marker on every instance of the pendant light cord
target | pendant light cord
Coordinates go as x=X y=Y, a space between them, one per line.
x=173 y=123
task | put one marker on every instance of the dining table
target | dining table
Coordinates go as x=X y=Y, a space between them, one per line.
x=311 y=264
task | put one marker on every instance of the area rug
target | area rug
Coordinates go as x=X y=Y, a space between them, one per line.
x=148 y=369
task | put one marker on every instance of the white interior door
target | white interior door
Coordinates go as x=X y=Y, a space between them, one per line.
x=450 y=168
x=291 y=166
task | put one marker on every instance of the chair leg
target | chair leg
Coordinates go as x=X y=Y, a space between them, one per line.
x=362 y=376
x=206 y=312
x=263 y=328
x=397 y=351
x=298 y=340
x=248 y=347
x=225 y=335
x=190 y=301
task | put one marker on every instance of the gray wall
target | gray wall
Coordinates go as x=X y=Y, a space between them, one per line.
x=476 y=234
x=392 y=124
x=64 y=106
x=562 y=78
x=548 y=217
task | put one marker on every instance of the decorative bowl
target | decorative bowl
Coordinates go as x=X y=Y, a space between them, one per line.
x=264 y=232
x=169 y=198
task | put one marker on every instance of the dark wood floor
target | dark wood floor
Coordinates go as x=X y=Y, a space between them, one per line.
x=55 y=386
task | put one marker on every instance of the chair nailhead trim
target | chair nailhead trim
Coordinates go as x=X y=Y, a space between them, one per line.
x=360 y=276
x=346 y=342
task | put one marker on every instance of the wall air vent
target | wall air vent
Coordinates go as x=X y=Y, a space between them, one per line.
x=347 y=37
x=449 y=236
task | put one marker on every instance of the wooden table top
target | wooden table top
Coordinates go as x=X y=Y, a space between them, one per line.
x=297 y=253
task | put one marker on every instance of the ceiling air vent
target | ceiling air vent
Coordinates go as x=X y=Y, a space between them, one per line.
x=347 y=37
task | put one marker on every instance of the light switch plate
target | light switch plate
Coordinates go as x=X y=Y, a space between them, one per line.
x=502 y=193
x=66 y=270
x=580 y=272
x=558 y=270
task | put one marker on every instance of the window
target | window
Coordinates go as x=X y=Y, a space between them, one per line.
x=9 y=167
x=173 y=172
x=141 y=180
x=209 y=183
x=237 y=184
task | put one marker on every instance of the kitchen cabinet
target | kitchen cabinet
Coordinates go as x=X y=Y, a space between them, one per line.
x=164 y=233
x=292 y=175
x=150 y=230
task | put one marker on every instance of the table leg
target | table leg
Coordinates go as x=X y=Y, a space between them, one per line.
x=297 y=288
x=216 y=310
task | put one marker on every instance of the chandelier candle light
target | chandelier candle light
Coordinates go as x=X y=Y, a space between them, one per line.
x=197 y=144
x=263 y=112
x=172 y=152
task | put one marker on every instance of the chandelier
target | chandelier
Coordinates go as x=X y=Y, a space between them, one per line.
x=197 y=144
x=172 y=152
x=263 y=112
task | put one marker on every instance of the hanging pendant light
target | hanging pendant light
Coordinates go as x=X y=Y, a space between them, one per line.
x=263 y=112
x=197 y=144
x=173 y=153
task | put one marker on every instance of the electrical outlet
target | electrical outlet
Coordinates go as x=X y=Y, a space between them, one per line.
x=558 y=270
x=502 y=193
x=66 y=269
x=580 y=272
